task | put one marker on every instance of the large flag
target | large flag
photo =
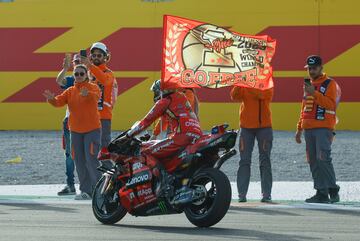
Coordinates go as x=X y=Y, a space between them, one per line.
x=197 y=54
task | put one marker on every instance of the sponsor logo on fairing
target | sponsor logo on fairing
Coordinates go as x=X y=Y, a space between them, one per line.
x=142 y=192
x=137 y=166
x=138 y=179
x=162 y=146
x=194 y=136
x=162 y=207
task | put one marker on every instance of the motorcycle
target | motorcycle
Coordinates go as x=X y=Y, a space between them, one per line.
x=197 y=186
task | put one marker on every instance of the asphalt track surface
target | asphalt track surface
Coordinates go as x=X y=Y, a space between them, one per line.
x=251 y=221
x=43 y=163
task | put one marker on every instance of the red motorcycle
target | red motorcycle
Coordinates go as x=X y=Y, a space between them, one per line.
x=198 y=187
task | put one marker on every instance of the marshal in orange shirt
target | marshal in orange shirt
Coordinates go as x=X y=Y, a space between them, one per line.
x=326 y=100
x=255 y=106
x=105 y=80
x=84 y=115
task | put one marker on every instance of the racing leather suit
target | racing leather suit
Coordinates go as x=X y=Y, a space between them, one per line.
x=182 y=121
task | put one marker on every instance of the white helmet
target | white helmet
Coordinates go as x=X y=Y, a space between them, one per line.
x=101 y=46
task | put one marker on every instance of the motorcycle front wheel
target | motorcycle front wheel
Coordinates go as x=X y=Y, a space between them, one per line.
x=213 y=207
x=105 y=208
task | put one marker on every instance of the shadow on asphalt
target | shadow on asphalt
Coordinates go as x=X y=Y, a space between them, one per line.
x=40 y=207
x=263 y=211
x=274 y=212
x=354 y=213
x=218 y=232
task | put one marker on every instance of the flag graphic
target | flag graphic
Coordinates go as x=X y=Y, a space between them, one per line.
x=197 y=54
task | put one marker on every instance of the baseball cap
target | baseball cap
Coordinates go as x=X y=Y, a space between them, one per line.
x=76 y=57
x=313 y=60
x=99 y=45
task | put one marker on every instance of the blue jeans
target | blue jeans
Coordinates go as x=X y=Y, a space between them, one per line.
x=70 y=166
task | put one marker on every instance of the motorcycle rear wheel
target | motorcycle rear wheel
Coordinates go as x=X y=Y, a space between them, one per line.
x=216 y=203
x=105 y=209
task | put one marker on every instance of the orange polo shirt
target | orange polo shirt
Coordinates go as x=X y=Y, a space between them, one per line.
x=84 y=115
x=255 y=106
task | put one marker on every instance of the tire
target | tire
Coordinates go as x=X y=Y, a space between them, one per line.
x=109 y=213
x=217 y=201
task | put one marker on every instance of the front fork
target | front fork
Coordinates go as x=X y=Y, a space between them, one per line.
x=109 y=182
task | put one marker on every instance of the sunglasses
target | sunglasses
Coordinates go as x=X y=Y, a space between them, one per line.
x=77 y=74
x=312 y=67
x=97 y=55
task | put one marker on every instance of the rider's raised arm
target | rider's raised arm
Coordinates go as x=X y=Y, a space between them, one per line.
x=158 y=110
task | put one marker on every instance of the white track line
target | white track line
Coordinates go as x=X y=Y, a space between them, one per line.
x=282 y=191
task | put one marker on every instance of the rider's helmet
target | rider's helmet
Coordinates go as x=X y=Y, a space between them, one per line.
x=158 y=93
x=156 y=89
